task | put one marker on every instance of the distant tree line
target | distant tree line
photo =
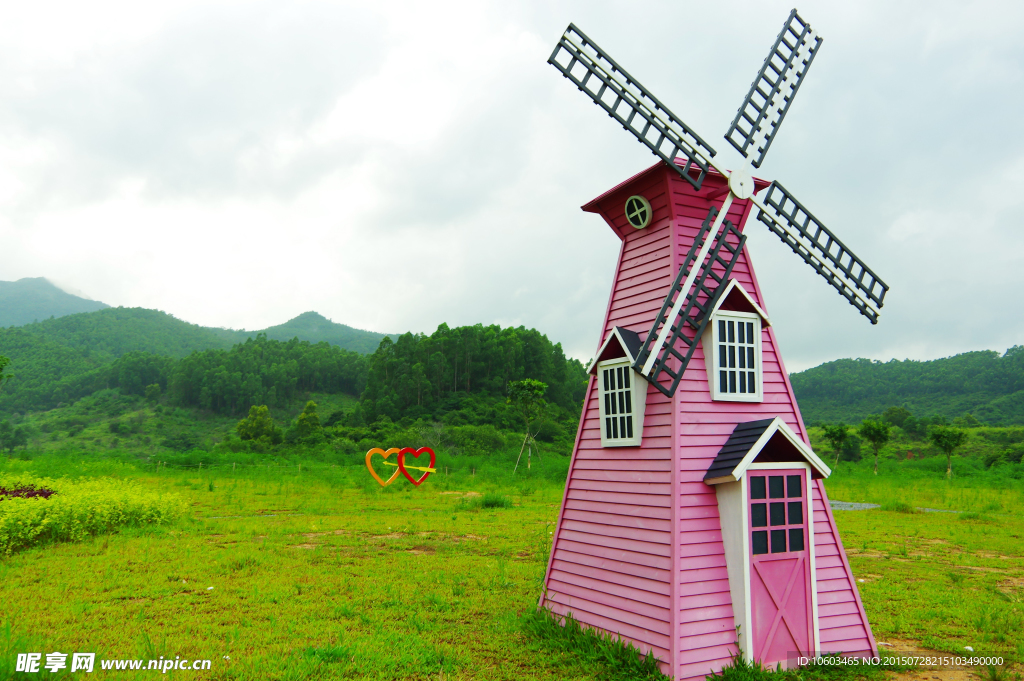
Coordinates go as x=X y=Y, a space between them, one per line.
x=985 y=384
x=467 y=369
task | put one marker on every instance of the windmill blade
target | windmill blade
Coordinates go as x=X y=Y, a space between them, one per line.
x=694 y=311
x=822 y=250
x=772 y=92
x=627 y=101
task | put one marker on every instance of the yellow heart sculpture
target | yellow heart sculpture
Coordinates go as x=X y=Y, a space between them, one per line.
x=369 y=466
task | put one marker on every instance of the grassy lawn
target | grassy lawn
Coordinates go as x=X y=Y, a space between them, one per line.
x=320 y=573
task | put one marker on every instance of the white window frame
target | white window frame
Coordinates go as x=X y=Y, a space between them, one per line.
x=637 y=392
x=710 y=342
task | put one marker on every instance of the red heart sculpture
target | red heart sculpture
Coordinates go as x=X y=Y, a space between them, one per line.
x=416 y=452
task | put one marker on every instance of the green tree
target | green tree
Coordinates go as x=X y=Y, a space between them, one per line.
x=3 y=365
x=152 y=392
x=307 y=425
x=836 y=435
x=259 y=426
x=527 y=398
x=948 y=439
x=6 y=436
x=897 y=416
x=875 y=432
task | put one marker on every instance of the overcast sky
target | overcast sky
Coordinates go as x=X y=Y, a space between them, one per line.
x=398 y=165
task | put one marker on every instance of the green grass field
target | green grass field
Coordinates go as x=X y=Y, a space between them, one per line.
x=317 y=572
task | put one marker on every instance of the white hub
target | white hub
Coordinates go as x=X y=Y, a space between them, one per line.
x=741 y=184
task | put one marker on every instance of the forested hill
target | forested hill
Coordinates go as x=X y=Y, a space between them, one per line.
x=985 y=384
x=107 y=334
x=28 y=300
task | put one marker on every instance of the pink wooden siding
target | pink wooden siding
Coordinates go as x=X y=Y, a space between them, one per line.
x=638 y=548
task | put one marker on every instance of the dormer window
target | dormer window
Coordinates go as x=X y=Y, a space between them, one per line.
x=736 y=345
x=621 y=391
x=732 y=346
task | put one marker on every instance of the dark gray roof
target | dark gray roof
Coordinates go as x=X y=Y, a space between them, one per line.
x=632 y=341
x=736 y=447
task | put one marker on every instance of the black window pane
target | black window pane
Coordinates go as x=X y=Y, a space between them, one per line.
x=740 y=334
x=750 y=358
x=622 y=426
x=605 y=372
x=732 y=357
x=758 y=515
x=619 y=372
x=778 y=513
x=732 y=380
x=775 y=490
x=743 y=359
x=732 y=332
x=793 y=486
x=608 y=428
x=721 y=330
x=750 y=332
x=615 y=428
x=759 y=542
x=629 y=426
x=778 y=541
x=629 y=402
x=796 y=539
x=751 y=386
x=724 y=380
x=743 y=379
x=722 y=362
x=607 y=403
x=625 y=377
x=757 y=487
x=622 y=402
x=796 y=513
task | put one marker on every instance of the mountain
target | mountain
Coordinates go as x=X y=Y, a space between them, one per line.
x=985 y=384
x=315 y=328
x=28 y=300
x=107 y=334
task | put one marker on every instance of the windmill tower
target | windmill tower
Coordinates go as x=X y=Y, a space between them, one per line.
x=694 y=503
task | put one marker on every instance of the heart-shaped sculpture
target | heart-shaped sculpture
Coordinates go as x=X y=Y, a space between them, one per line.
x=369 y=466
x=416 y=452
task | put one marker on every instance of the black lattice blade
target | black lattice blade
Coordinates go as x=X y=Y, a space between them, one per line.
x=627 y=101
x=822 y=250
x=773 y=91
x=694 y=312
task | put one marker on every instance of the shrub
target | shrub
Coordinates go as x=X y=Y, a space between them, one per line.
x=77 y=510
x=495 y=500
x=898 y=507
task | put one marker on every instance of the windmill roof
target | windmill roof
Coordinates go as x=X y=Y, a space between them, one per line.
x=592 y=205
x=749 y=439
x=629 y=342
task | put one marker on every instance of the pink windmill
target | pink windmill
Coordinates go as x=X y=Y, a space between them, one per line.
x=695 y=510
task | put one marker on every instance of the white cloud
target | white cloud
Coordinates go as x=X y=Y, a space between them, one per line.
x=399 y=165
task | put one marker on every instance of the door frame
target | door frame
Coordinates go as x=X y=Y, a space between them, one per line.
x=734 y=514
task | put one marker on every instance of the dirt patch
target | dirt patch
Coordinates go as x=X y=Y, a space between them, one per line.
x=913 y=648
x=393 y=535
x=303 y=546
x=420 y=550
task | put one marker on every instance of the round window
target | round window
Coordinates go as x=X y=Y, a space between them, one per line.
x=638 y=211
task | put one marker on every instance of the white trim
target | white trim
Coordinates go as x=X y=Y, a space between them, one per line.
x=709 y=341
x=736 y=543
x=777 y=426
x=733 y=284
x=638 y=396
x=614 y=333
